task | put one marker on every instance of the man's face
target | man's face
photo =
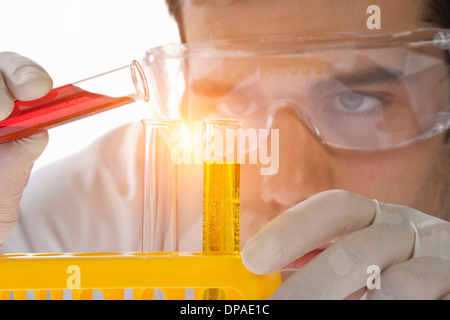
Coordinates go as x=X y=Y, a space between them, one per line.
x=415 y=176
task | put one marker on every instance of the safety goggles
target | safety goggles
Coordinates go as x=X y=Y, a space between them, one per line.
x=358 y=91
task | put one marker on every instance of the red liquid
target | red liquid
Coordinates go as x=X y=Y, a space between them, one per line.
x=61 y=105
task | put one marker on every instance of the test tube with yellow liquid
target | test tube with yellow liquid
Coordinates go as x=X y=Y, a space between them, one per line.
x=221 y=190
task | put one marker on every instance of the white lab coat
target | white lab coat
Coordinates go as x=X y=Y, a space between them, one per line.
x=88 y=202
x=91 y=201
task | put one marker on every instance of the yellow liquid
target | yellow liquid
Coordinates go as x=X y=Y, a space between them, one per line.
x=221 y=212
x=221 y=207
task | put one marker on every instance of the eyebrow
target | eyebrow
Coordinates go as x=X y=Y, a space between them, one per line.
x=365 y=77
x=369 y=76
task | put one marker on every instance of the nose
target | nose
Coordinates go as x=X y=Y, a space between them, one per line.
x=304 y=163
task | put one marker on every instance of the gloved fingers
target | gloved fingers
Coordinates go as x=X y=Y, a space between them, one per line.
x=306 y=226
x=418 y=278
x=25 y=79
x=342 y=268
x=16 y=162
x=433 y=240
x=6 y=100
x=432 y=235
x=21 y=79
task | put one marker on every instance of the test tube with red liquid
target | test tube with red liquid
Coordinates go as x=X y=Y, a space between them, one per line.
x=75 y=101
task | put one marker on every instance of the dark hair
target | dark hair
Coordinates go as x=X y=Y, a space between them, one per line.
x=438 y=13
x=174 y=7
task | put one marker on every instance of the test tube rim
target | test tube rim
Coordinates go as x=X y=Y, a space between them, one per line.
x=138 y=76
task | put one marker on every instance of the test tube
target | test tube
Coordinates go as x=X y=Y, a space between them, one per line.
x=75 y=101
x=221 y=190
x=221 y=185
x=160 y=195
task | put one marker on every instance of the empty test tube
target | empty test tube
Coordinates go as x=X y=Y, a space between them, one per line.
x=75 y=101
x=160 y=197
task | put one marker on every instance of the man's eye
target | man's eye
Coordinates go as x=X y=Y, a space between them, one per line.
x=236 y=107
x=356 y=102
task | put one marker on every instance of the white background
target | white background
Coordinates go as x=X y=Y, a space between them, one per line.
x=76 y=39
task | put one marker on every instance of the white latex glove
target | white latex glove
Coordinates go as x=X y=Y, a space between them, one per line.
x=21 y=79
x=411 y=250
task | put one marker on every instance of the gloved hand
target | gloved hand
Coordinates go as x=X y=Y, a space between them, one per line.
x=21 y=79
x=410 y=249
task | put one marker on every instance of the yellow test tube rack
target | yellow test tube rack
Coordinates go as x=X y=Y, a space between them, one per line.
x=113 y=273
x=219 y=267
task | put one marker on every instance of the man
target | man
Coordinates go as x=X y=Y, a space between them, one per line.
x=416 y=176
x=405 y=234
